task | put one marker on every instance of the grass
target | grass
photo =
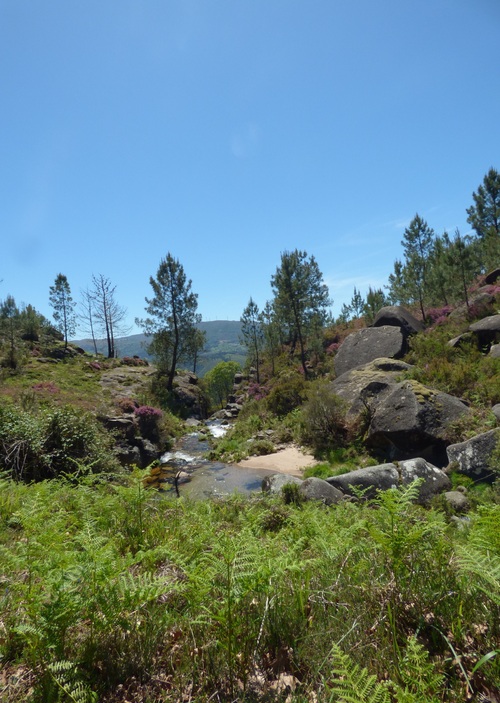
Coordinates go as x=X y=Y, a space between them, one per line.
x=107 y=589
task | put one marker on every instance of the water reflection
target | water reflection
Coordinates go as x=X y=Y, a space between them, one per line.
x=202 y=478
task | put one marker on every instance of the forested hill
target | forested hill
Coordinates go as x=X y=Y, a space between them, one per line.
x=223 y=344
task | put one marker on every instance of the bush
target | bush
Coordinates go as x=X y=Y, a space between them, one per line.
x=286 y=395
x=149 y=422
x=59 y=441
x=323 y=422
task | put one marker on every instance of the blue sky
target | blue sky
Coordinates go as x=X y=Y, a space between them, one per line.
x=228 y=131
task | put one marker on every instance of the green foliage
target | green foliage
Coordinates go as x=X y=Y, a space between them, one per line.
x=64 y=307
x=51 y=443
x=409 y=282
x=323 y=418
x=301 y=299
x=172 y=317
x=219 y=381
x=464 y=371
x=352 y=684
x=287 y=393
x=253 y=335
x=104 y=586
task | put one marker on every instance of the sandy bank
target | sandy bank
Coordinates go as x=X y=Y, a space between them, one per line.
x=290 y=460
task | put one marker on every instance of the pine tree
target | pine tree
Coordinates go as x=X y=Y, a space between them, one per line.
x=64 y=307
x=301 y=298
x=172 y=317
x=484 y=217
x=252 y=334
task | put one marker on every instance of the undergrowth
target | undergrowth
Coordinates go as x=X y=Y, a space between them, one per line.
x=110 y=593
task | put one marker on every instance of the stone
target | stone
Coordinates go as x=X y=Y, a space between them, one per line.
x=314 y=488
x=411 y=420
x=369 y=344
x=474 y=457
x=496 y=411
x=398 y=316
x=492 y=277
x=495 y=351
x=362 y=387
x=391 y=475
x=457 y=501
x=487 y=330
x=275 y=482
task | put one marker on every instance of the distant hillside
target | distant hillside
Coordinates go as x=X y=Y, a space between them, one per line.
x=223 y=344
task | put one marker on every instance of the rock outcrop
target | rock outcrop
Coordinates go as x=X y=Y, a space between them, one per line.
x=368 y=344
x=398 y=316
x=386 y=476
x=403 y=419
x=475 y=456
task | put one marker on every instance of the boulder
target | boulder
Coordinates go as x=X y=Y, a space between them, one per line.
x=457 y=342
x=386 y=476
x=495 y=351
x=148 y=451
x=496 y=411
x=123 y=426
x=487 y=330
x=363 y=387
x=316 y=489
x=275 y=482
x=482 y=299
x=411 y=420
x=492 y=277
x=475 y=456
x=457 y=501
x=369 y=344
x=403 y=419
x=397 y=316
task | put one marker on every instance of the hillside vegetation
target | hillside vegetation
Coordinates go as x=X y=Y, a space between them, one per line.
x=111 y=592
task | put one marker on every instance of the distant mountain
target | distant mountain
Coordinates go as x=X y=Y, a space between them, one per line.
x=223 y=344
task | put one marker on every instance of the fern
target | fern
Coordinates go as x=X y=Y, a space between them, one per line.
x=66 y=676
x=480 y=556
x=352 y=683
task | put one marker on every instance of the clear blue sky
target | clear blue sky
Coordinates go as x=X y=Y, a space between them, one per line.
x=228 y=131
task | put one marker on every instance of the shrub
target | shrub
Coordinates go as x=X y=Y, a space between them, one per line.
x=286 y=395
x=149 y=421
x=59 y=441
x=323 y=419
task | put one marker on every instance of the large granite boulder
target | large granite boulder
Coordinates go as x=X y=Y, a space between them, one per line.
x=475 y=456
x=386 y=476
x=275 y=482
x=487 y=330
x=403 y=419
x=363 y=387
x=316 y=489
x=398 y=316
x=369 y=344
x=412 y=420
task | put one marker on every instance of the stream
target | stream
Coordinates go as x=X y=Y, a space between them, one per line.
x=208 y=478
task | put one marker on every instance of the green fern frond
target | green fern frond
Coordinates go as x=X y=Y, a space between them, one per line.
x=66 y=676
x=352 y=683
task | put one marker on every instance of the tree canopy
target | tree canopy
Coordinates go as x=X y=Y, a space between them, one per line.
x=301 y=298
x=172 y=317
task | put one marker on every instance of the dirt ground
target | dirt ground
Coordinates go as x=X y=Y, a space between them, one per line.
x=290 y=460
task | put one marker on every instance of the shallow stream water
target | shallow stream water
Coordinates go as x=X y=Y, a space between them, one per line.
x=208 y=478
